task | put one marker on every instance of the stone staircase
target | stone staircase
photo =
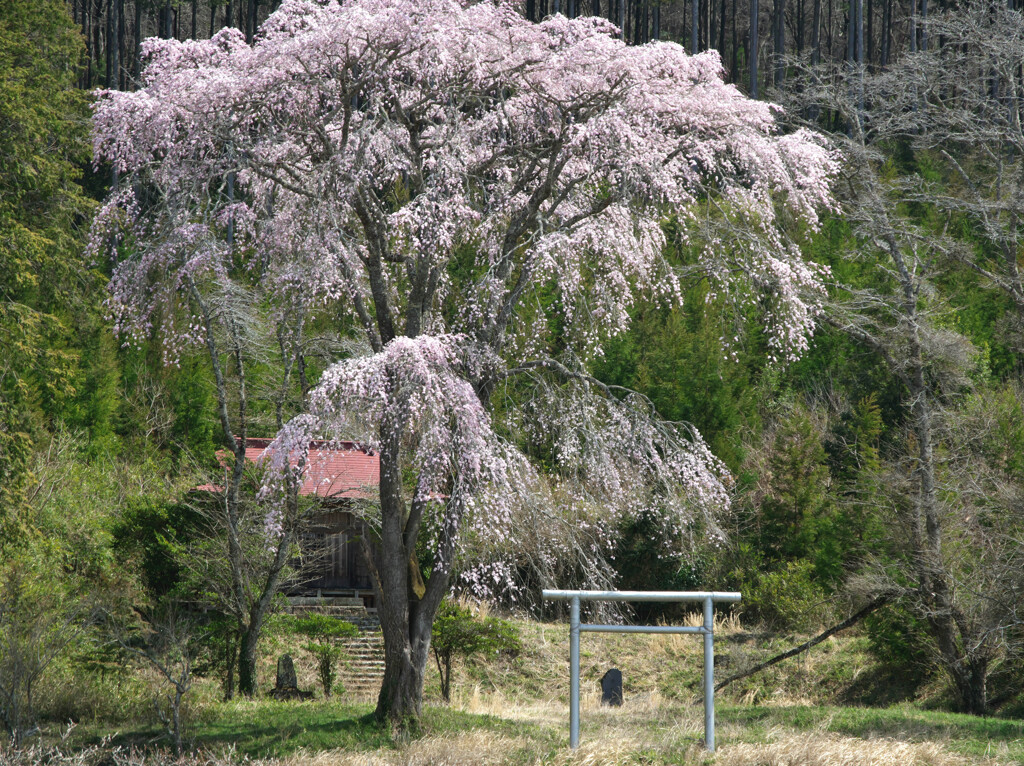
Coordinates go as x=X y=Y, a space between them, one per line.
x=364 y=670
x=361 y=673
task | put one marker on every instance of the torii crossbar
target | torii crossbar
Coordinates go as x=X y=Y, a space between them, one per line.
x=709 y=598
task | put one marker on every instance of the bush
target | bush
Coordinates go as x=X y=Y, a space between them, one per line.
x=787 y=599
x=39 y=619
x=899 y=638
x=114 y=693
x=458 y=633
x=323 y=633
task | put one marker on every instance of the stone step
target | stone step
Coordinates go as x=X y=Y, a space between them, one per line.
x=363 y=668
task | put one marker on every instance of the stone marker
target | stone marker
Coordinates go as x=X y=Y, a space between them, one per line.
x=611 y=688
x=286 y=678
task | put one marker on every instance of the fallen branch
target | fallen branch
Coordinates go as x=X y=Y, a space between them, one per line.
x=852 y=620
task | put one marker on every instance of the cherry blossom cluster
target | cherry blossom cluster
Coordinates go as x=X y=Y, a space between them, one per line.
x=474 y=193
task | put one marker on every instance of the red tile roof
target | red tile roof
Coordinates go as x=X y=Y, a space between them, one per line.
x=341 y=469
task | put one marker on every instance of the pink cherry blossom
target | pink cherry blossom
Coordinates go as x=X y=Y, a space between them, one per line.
x=481 y=199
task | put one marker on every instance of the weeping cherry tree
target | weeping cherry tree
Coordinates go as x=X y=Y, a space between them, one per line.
x=480 y=201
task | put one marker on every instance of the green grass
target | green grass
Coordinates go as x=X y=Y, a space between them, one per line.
x=969 y=735
x=270 y=729
x=517 y=710
x=665 y=734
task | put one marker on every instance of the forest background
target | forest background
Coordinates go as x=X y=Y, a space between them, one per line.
x=883 y=468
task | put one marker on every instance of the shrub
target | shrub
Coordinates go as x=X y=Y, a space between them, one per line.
x=323 y=633
x=899 y=638
x=458 y=633
x=786 y=599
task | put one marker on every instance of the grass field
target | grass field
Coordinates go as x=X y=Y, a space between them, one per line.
x=491 y=729
x=516 y=712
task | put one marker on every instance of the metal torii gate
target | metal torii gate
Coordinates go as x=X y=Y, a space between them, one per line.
x=707 y=630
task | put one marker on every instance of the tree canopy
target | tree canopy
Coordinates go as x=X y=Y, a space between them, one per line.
x=483 y=198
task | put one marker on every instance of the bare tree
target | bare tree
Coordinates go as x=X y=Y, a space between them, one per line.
x=953 y=571
x=165 y=638
x=962 y=104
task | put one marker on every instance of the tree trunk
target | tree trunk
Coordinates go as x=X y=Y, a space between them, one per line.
x=779 y=43
x=695 y=28
x=963 y=653
x=407 y=605
x=111 y=43
x=247 y=655
x=816 y=33
x=924 y=28
x=869 y=44
x=230 y=660
x=886 y=33
x=119 y=52
x=722 y=17
x=752 y=53
x=137 y=40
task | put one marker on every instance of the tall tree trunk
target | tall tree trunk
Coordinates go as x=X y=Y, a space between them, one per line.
x=656 y=31
x=97 y=45
x=695 y=28
x=964 y=655
x=924 y=27
x=829 y=37
x=734 y=70
x=119 y=47
x=816 y=33
x=883 y=60
x=754 y=13
x=860 y=58
x=722 y=16
x=814 y=110
x=111 y=43
x=870 y=33
x=779 y=42
x=913 y=26
x=407 y=604
x=137 y=40
x=800 y=24
x=708 y=37
x=400 y=698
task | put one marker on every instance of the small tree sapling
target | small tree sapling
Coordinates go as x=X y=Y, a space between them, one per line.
x=457 y=632
x=323 y=633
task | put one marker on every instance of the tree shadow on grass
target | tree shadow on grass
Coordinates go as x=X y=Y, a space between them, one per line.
x=270 y=729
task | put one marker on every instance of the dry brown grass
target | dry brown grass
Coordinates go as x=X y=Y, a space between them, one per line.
x=822 y=749
x=474 y=749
